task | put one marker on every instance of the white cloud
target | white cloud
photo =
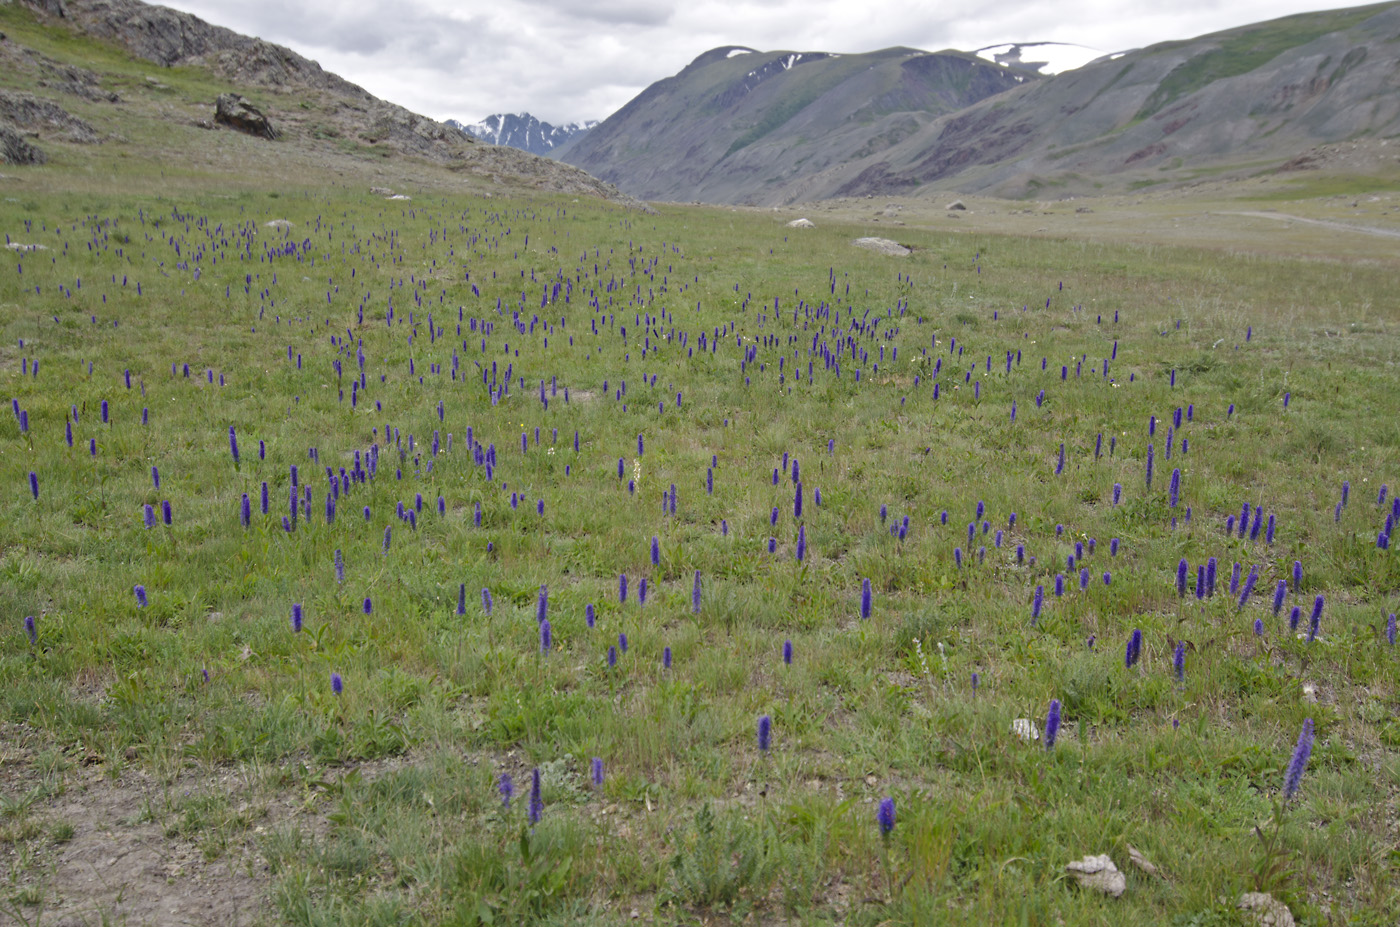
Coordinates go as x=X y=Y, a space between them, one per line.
x=567 y=60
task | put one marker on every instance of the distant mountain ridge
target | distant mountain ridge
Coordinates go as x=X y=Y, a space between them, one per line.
x=766 y=128
x=523 y=131
x=736 y=122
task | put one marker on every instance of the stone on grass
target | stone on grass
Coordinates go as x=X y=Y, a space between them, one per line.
x=1142 y=862
x=232 y=110
x=882 y=246
x=1265 y=910
x=1024 y=728
x=1098 y=873
x=802 y=224
x=956 y=205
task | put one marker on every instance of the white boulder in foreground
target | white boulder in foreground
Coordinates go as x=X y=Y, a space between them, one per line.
x=1098 y=873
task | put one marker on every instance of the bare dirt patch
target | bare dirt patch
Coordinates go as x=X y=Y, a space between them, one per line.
x=101 y=850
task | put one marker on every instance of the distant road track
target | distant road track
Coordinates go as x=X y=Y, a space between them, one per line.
x=1325 y=223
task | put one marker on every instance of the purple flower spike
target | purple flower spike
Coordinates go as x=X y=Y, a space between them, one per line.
x=864 y=599
x=296 y=617
x=1315 y=619
x=507 y=788
x=34 y=484
x=536 y=810
x=337 y=684
x=33 y=633
x=622 y=643
x=884 y=816
x=1279 y=592
x=612 y=656
x=787 y=652
x=1134 y=649
x=596 y=771
x=695 y=595
x=655 y=551
x=1179 y=661
x=1036 y=603
x=140 y=592
x=765 y=733
x=1258 y=627
x=1293 y=778
x=1390 y=630
x=622 y=588
x=233 y=444
x=1052 y=724
x=368 y=606
x=1293 y=617
x=1181 y=571
x=589 y=615
x=546 y=636
x=801 y=543
x=1297 y=576
x=666 y=657
x=1249 y=582
x=542 y=606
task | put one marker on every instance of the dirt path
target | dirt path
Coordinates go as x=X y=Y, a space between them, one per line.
x=1325 y=223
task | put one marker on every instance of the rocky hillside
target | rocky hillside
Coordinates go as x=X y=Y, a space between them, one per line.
x=523 y=131
x=1249 y=99
x=69 y=68
x=737 y=123
x=738 y=126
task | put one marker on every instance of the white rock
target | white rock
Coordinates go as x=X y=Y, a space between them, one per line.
x=883 y=246
x=801 y=224
x=1142 y=862
x=1099 y=873
x=400 y=196
x=1265 y=910
x=1025 y=729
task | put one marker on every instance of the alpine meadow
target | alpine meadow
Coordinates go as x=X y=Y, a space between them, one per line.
x=386 y=541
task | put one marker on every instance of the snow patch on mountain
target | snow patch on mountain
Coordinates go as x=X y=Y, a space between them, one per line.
x=523 y=131
x=1040 y=57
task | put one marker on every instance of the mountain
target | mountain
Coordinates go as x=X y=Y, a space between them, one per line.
x=136 y=81
x=1259 y=97
x=740 y=126
x=523 y=131
x=736 y=123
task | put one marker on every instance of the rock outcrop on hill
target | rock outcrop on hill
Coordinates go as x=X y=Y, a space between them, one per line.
x=315 y=115
x=233 y=111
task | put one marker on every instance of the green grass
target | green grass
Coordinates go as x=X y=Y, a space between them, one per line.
x=381 y=804
x=691 y=818
x=1305 y=186
x=1242 y=50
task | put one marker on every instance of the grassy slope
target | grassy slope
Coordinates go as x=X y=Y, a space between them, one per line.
x=449 y=703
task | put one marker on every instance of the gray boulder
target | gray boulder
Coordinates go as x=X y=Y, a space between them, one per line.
x=232 y=110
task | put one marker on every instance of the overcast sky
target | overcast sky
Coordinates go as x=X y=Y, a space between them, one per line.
x=568 y=60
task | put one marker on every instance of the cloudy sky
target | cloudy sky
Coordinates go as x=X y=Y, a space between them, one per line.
x=567 y=60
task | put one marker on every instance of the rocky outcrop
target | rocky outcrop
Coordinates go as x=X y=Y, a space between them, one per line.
x=232 y=110
x=44 y=117
x=15 y=149
x=168 y=37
